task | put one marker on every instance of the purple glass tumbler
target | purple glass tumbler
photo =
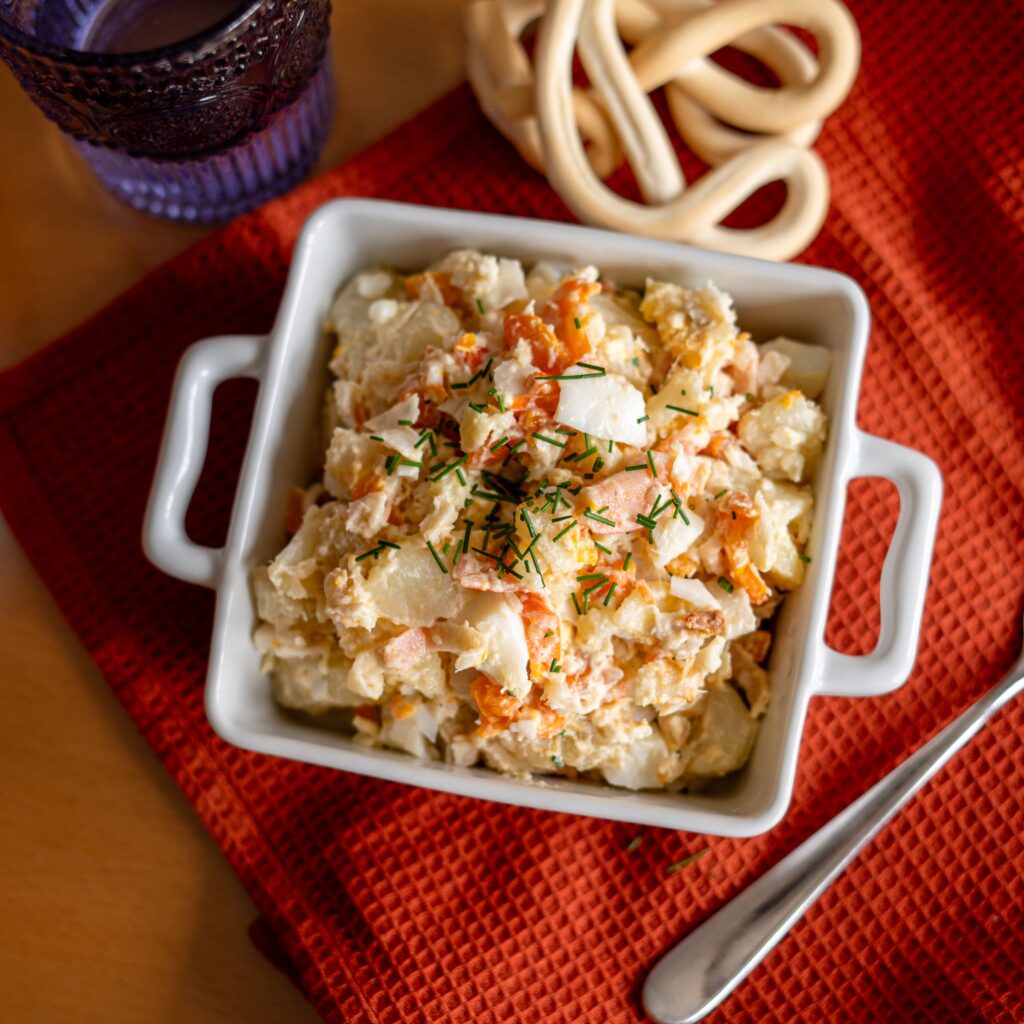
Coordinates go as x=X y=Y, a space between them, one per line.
x=190 y=110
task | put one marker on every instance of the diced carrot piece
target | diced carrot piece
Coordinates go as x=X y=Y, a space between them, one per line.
x=450 y=295
x=542 y=627
x=544 y=346
x=568 y=304
x=737 y=517
x=496 y=706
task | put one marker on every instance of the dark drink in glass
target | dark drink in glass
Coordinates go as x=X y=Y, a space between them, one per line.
x=191 y=110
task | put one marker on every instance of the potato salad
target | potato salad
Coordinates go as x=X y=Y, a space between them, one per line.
x=555 y=518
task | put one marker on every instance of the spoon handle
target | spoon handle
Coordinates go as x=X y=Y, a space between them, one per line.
x=698 y=973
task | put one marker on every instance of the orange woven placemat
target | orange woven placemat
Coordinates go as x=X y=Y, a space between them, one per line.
x=395 y=904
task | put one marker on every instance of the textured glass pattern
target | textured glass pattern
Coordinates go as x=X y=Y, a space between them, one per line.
x=198 y=130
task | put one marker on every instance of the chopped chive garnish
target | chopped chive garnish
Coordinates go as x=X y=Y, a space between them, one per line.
x=576 y=604
x=599 y=519
x=608 y=596
x=445 y=470
x=405 y=423
x=682 y=391
x=633 y=469
x=679 y=408
x=536 y=569
x=559 y=536
x=529 y=523
x=502 y=567
x=375 y=437
x=446 y=548
x=679 y=510
x=498 y=444
x=427 y=436
x=591 y=576
x=392 y=463
x=498 y=398
x=458 y=473
x=646 y=521
x=437 y=558
x=603 y=582
x=477 y=407
x=643 y=419
x=725 y=584
x=629 y=558
x=686 y=861
x=555 y=667
x=460 y=384
x=598 y=463
x=480 y=307
x=724 y=490
x=375 y=552
x=529 y=547
x=749 y=397
x=549 y=633
x=550 y=440
x=650 y=462
x=568 y=433
x=633 y=843
x=488 y=495
x=601 y=547
x=804 y=558
x=412 y=462
x=519 y=444
x=576 y=322
x=556 y=760
x=611 y=445
x=598 y=371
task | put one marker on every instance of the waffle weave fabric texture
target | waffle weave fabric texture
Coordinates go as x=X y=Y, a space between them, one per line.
x=394 y=904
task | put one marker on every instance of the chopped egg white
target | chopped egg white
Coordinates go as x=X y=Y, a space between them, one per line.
x=605 y=407
x=676 y=534
x=497 y=620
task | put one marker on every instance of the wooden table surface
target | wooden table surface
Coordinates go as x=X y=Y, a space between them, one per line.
x=115 y=905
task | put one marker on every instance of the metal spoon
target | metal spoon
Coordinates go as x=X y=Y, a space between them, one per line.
x=698 y=973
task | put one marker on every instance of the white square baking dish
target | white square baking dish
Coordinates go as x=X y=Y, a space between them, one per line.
x=344 y=236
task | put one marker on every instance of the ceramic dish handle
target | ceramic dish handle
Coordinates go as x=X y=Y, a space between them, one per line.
x=205 y=365
x=904 y=573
